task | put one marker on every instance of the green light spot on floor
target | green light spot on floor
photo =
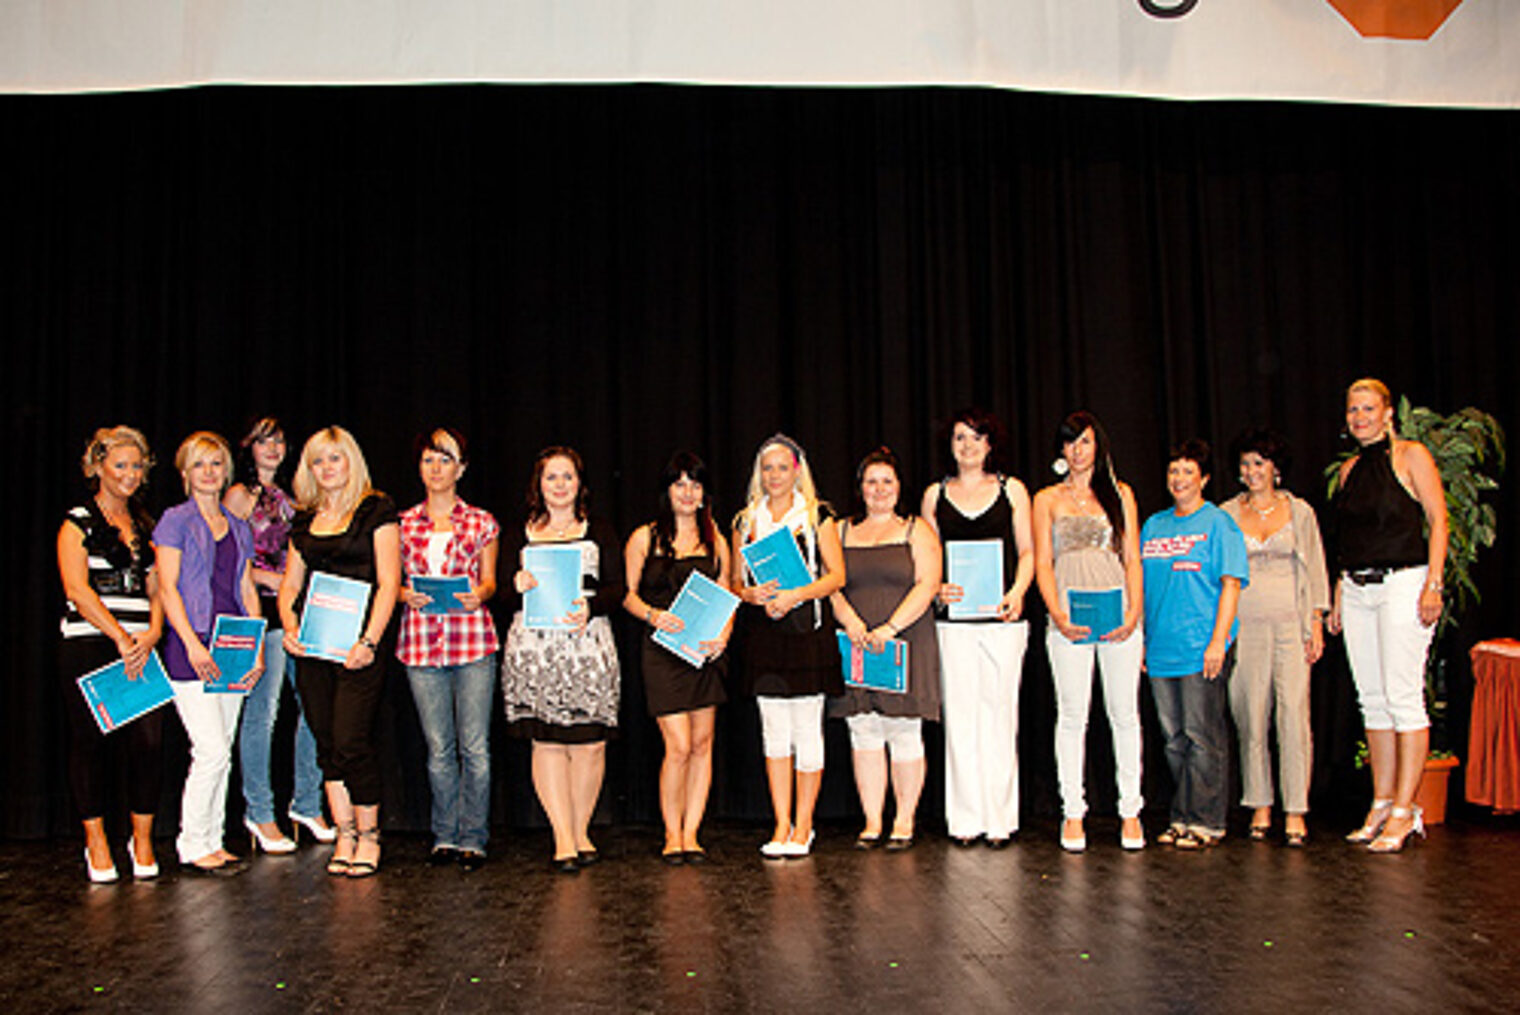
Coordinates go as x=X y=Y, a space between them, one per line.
x=691 y=973
x=1084 y=956
x=1266 y=944
x=279 y=986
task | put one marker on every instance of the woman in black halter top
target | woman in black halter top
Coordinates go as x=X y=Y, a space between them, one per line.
x=1388 y=600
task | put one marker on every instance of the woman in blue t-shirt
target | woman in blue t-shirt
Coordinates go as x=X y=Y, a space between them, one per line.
x=1195 y=565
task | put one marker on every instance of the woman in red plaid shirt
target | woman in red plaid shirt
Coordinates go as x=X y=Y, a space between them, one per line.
x=449 y=647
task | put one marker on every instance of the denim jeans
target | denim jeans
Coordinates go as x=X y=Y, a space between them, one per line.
x=1192 y=713
x=454 y=707
x=260 y=710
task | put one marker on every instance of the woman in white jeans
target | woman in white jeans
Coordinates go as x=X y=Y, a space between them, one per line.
x=1388 y=600
x=1087 y=537
x=790 y=661
x=1281 y=633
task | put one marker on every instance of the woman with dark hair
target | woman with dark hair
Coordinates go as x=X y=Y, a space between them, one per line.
x=1195 y=566
x=344 y=527
x=1390 y=527
x=111 y=611
x=205 y=560
x=259 y=497
x=790 y=661
x=450 y=651
x=892 y=574
x=561 y=685
x=1281 y=634
x=1087 y=537
x=684 y=699
x=982 y=659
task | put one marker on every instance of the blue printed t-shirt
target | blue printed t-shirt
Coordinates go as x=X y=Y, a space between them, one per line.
x=1185 y=560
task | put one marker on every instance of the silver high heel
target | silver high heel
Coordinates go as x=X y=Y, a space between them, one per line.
x=1377 y=817
x=313 y=826
x=1387 y=843
x=141 y=871
x=276 y=845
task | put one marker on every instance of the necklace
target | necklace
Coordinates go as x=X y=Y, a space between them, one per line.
x=1080 y=501
x=1263 y=513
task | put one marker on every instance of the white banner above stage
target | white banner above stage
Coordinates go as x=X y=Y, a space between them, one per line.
x=1411 y=52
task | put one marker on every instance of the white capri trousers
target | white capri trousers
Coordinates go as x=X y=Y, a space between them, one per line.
x=1071 y=667
x=793 y=727
x=902 y=734
x=1386 y=644
x=981 y=667
x=1272 y=675
x=211 y=722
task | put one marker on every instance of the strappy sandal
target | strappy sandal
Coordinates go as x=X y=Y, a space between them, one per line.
x=366 y=868
x=1377 y=817
x=1170 y=836
x=348 y=832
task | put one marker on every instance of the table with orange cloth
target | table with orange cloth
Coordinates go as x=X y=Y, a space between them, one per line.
x=1493 y=739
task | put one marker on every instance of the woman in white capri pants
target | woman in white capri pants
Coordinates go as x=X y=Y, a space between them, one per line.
x=1388 y=600
x=982 y=660
x=1087 y=537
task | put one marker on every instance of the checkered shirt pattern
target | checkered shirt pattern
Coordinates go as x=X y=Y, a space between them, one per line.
x=446 y=639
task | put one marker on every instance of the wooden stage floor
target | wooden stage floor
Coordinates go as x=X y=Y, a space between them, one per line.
x=1246 y=927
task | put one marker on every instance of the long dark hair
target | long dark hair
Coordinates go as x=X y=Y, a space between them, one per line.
x=246 y=470
x=663 y=530
x=1105 y=485
x=537 y=509
x=881 y=456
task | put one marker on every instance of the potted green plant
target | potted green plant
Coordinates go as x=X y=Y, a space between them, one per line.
x=1469 y=451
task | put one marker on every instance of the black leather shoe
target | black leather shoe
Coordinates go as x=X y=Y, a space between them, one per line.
x=442 y=856
x=471 y=860
x=695 y=857
x=675 y=858
x=587 y=857
x=565 y=865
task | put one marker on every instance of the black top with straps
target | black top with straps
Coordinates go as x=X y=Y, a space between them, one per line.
x=995 y=521
x=1377 y=523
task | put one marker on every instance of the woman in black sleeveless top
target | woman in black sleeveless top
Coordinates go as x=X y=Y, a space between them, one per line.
x=1388 y=600
x=684 y=699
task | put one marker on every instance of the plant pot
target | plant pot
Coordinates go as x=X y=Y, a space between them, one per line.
x=1431 y=799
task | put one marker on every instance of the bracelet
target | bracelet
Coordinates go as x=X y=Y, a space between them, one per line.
x=890 y=627
x=364 y=640
x=1434 y=584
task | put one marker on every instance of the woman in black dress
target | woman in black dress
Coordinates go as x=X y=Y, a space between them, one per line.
x=345 y=527
x=684 y=699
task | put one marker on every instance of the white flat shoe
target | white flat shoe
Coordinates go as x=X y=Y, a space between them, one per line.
x=1074 y=844
x=273 y=845
x=797 y=850
x=774 y=850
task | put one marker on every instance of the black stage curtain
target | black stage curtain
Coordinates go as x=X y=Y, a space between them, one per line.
x=635 y=269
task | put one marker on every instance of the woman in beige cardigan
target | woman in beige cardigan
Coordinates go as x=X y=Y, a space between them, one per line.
x=1281 y=632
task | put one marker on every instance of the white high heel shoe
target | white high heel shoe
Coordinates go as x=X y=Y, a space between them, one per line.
x=99 y=875
x=1390 y=843
x=272 y=845
x=313 y=826
x=141 y=871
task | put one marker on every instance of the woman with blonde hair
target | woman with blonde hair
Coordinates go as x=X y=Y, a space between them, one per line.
x=790 y=660
x=204 y=562
x=345 y=527
x=1390 y=526
x=111 y=611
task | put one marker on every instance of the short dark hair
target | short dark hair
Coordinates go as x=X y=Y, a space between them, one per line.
x=1196 y=450
x=986 y=424
x=1267 y=443
x=881 y=456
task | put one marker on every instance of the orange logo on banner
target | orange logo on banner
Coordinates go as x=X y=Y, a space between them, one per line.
x=1396 y=19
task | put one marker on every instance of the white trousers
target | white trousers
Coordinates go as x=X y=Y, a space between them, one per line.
x=793 y=728
x=902 y=734
x=211 y=722
x=1071 y=666
x=981 y=666
x=1386 y=645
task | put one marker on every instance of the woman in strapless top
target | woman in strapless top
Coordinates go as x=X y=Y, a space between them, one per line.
x=1087 y=537
x=1281 y=633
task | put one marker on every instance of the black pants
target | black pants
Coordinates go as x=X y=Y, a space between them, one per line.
x=137 y=748
x=340 y=707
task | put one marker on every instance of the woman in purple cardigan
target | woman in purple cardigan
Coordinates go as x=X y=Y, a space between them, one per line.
x=203 y=554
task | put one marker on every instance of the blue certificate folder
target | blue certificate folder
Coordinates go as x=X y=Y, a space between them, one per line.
x=114 y=699
x=1099 y=610
x=886 y=670
x=235 y=645
x=441 y=589
x=557 y=569
x=704 y=607
x=776 y=557
x=334 y=615
x=976 y=565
